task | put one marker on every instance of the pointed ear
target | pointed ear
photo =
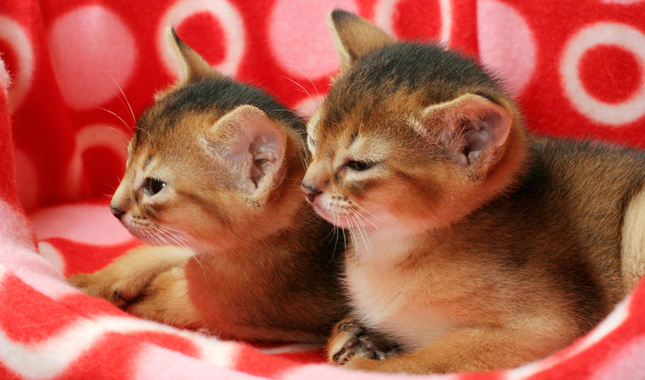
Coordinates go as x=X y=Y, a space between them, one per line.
x=472 y=129
x=253 y=146
x=193 y=66
x=354 y=37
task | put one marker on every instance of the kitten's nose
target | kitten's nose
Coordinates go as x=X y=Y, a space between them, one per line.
x=117 y=212
x=310 y=192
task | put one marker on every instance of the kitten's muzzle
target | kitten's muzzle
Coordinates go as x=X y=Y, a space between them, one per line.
x=117 y=212
x=310 y=192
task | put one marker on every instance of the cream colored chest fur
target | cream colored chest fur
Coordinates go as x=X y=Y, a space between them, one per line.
x=391 y=300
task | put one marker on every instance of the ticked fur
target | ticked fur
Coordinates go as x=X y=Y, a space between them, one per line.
x=214 y=171
x=475 y=245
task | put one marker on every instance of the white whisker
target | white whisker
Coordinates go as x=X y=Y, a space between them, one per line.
x=363 y=235
x=129 y=127
x=122 y=134
x=201 y=265
x=181 y=242
x=308 y=78
x=299 y=85
x=351 y=234
x=363 y=218
x=134 y=119
x=364 y=209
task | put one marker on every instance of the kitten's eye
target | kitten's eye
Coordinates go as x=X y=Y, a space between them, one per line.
x=359 y=166
x=153 y=186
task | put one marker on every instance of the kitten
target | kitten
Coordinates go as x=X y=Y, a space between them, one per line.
x=214 y=169
x=476 y=246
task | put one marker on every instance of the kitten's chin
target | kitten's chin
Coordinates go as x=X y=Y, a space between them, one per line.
x=158 y=237
x=141 y=236
x=144 y=236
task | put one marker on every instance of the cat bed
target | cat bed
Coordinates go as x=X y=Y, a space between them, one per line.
x=74 y=74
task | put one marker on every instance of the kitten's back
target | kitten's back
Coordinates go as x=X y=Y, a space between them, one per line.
x=561 y=226
x=592 y=185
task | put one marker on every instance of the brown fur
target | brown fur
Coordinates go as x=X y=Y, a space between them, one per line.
x=475 y=246
x=250 y=260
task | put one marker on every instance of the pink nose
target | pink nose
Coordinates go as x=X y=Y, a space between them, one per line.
x=310 y=192
x=117 y=212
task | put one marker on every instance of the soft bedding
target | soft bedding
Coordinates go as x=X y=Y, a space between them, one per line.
x=74 y=74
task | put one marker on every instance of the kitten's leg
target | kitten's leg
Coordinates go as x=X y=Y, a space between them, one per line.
x=350 y=339
x=166 y=300
x=469 y=350
x=127 y=277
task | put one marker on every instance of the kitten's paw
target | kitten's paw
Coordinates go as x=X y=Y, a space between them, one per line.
x=350 y=340
x=126 y=279
x=99 y=284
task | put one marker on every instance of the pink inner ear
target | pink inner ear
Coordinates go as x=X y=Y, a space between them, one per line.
x=251 y=145
x=484 y=135
x=471 y=128
x=266 y=151
x=258 y=149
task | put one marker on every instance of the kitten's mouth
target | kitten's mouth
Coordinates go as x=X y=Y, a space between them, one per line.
x=342 y=218
x=149 y=233
x=140 y=233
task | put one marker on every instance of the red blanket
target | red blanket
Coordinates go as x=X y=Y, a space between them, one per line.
x=80 y=70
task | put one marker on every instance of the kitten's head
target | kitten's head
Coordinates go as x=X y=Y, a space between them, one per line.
x=208 y=162
x=410 y=135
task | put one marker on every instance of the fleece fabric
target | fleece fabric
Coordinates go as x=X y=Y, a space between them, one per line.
x=74 y=75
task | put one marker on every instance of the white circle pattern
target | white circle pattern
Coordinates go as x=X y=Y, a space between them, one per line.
x=224 y=12
x=603 y=33
x=89 y=137
x=384 y=16
x=14 y=34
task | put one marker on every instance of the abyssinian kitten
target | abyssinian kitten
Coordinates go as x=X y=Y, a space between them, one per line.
x=214 y=174
x=476 y=245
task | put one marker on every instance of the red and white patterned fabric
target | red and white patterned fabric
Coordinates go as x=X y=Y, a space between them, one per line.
x=80 y=70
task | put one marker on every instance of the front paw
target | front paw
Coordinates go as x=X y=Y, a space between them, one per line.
x=119 y=292
x=126 y=279
x=352 y=341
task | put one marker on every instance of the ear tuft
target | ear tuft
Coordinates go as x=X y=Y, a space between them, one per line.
x=354 y=37
x=253 y=146
x=193 y=66
x=472 y=129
